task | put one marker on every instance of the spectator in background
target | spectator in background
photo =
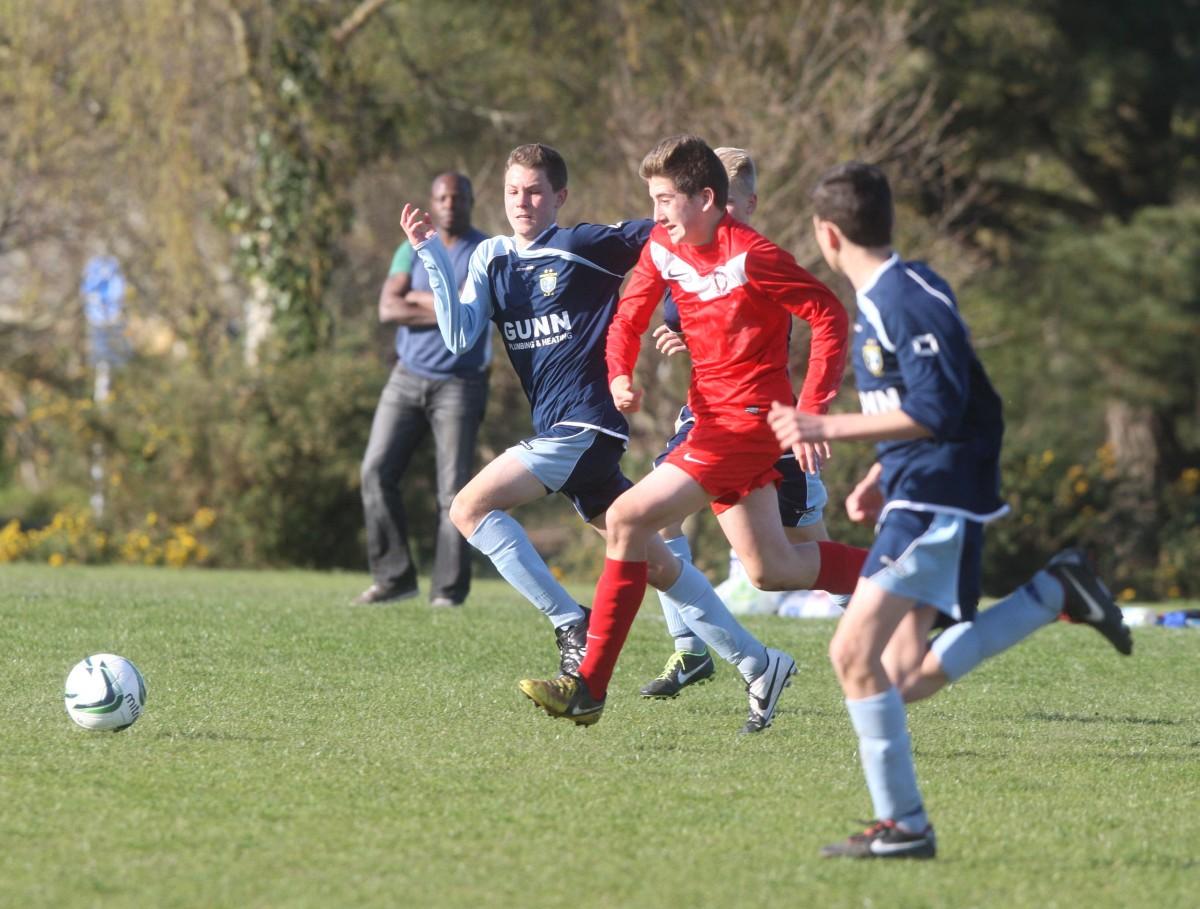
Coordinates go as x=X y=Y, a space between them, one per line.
x=429 y=388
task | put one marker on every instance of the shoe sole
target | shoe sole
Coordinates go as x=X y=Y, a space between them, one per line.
x=589 y=720
x=925 y=851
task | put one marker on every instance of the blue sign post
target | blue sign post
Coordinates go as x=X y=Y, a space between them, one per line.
x=103 y=290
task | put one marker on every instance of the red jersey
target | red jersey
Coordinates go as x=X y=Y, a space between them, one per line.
x=736 y=296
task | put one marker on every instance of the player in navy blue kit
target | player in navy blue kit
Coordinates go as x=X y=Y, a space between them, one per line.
x=927 y=402
x=552 y=292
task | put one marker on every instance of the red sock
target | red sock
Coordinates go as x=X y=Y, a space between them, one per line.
x=840 y=567
x=619 y=593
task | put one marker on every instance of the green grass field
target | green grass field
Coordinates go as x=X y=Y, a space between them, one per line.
x=298 y=752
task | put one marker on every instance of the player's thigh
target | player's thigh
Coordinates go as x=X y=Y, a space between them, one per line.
x=665 y=496
x=809 y=533
x=503 y=484
x=753 y=529
x=908 y=645
x=867 y=627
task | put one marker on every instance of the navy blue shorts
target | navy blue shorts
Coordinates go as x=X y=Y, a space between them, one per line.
x=583 y=464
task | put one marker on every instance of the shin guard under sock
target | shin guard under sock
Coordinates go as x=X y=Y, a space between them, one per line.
x=619 y=593
x=840 y=567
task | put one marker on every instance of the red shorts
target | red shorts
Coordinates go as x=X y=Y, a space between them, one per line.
x=728 y=461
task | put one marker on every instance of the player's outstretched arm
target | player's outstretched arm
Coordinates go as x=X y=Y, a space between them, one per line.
x=794 y=427
x=460 y=320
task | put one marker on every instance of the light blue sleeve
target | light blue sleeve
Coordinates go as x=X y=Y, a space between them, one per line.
x=461 y=320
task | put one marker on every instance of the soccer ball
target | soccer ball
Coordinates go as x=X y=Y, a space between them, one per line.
x=105 y=691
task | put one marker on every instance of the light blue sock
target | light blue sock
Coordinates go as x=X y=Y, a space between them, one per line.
x=713 y=623
x=962 y=647
x=886 y=753
x=505 y=542
x=685 y=639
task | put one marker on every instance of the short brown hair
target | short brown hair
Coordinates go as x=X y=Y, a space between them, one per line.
x=856 y=197
x=537 y=156
x=740 y=168
x=690 y=164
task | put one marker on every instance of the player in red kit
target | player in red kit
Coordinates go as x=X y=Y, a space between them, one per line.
x=736 y=292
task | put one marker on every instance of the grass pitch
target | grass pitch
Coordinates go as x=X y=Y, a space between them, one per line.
x=299 y=752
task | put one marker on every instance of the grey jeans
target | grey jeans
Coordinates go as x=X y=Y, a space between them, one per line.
x=408 y=408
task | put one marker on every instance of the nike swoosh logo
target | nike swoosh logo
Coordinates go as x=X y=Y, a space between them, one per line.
x=763 y=702
x=685 y=676
x=687 y=456
x=575 y=711
x=881 y=848
x=1095 y=611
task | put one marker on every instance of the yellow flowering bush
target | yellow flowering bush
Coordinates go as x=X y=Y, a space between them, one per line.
x=1058 y=503
x=73 y=538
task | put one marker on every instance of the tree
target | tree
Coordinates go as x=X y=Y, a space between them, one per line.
x=1081 y=121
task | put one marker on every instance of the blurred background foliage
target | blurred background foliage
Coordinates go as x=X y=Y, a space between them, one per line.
x=246 y=162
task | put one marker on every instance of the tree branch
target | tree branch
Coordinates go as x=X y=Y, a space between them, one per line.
x=356 y=20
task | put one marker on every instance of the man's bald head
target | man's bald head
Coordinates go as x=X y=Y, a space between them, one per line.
x=451 y=199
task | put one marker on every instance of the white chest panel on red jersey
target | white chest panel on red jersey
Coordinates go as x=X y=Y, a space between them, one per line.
x=717 y=283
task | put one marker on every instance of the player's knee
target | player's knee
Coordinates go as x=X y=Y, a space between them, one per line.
x=906 y=679
x=761 y=574
x=849 y=657
x=464 y=514
x=626 y=518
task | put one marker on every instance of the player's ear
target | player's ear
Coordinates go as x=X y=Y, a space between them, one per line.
x=708 y=199
x=751 y=203
x=827 y=233
x=560 y=197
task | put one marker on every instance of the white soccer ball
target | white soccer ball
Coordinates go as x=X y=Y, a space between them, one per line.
x=105 y=691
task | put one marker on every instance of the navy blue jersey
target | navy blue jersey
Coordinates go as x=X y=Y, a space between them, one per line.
x=671 y=313
x=912 y=352
x=553 y=303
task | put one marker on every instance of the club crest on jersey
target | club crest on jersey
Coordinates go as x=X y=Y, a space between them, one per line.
x=872 y=355
x=547 y=281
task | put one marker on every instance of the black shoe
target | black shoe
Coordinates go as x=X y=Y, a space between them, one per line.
x=883 y=839
x=572 y=644
x=1087 y=601
x=377 y=594
x=682 y=669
